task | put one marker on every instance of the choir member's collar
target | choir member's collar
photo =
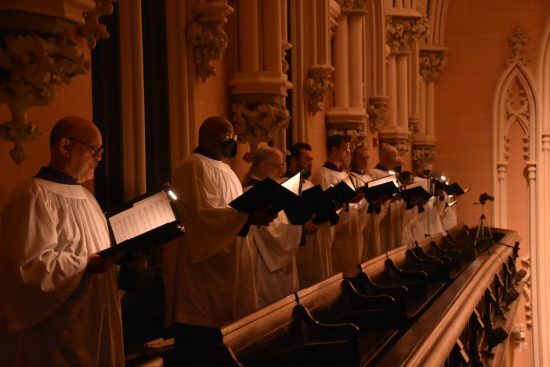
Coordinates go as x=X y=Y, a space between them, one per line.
x=332 y=166
x=381 y=167
x=252 y=181
x=208 y=154
x=55 y=175
x=358 y=172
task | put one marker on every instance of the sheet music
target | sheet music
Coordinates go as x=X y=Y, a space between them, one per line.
x=293 y=184
x=383 y=180
x=145 y=215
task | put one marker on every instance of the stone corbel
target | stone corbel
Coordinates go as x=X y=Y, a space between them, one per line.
x=318 y=83
x=402 y=31
x=423 y=154
x=378 y=111
x=207 y=36
x=257 y=121
x=432 y=63
x=34 y=61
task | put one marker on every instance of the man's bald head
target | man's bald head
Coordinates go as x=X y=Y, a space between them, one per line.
x=388 y=155
x=213 y=132
x=212 y=127
x=76 y=147
x=71 y=127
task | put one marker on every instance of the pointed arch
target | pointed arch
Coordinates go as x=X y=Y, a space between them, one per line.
x=515 y=102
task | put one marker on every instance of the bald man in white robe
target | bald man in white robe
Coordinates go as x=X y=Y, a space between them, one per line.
x=274 y=246
x=209 y=278
x=60 y=297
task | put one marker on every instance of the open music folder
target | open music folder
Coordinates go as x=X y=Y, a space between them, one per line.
x=381 y=188
x=144 y=223
x=270 y=194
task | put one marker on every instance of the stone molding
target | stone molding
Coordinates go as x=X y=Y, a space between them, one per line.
x=34 y=64
x=207 y=36
x=432 y=62
x=318 y=83
x=257 y=121
x=402 y=31
x=378 y=111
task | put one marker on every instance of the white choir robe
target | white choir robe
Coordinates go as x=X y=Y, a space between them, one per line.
x=315 y=257
x=208 y=272
x=391 y=225
x=432 y=217
x=275 y=270
x=449 y=217
x=370 y=222
x=346 y=241
x=56 y=314
x=410 y=219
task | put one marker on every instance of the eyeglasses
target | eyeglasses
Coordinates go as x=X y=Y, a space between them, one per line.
x=230 y=137
x=278 y=165
x=96 y=151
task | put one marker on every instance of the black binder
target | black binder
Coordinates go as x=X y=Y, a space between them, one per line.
x=341 y=193
x=320 y=205
x=416 y=192
x=270 y=194
x=143 y=223
x=455 y=189
x=381 y=188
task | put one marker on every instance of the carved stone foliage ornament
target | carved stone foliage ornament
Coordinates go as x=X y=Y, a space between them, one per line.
x=318 y=83
x=207 y=36
x=93 y=30
x=517 y=42
x=431 y=64
x=423 y=154
x=402 y=31
x=33 y=65
x=256 y=122
x=356 y=130
x=378 y=111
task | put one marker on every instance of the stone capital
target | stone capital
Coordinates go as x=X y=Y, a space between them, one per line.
x=402 y=31
x=422 y=154
x=353 y=7
x=257 y=117
x=432 y=63
x=318 y=83
x=378 y=111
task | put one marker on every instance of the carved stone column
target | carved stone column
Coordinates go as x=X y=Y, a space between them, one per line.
x=401 y=32
x=207 y=36
x=41 y=50
x=259 y=86
x=347 y=115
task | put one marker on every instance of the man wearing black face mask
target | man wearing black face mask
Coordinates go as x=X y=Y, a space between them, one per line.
x=208 y=273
